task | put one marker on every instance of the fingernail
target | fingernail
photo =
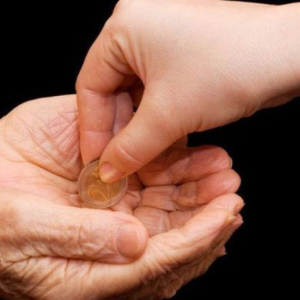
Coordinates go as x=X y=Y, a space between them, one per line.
x=223 y=252
x=238 y=223
x=238 y=208
x=230 y=220
x=231 y=163
x=128 y=240
x=108 y=173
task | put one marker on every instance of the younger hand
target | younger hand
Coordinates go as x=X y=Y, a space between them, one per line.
x=189 y=66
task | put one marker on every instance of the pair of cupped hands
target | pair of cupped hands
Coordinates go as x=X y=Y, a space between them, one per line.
x=180 y=208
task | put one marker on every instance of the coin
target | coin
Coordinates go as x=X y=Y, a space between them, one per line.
x=96 y=193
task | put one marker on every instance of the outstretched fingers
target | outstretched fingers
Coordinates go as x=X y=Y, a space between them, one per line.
x=196 y=238
x=180 y=164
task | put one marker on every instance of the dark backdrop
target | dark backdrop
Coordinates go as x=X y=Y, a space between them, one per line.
x=263 y=254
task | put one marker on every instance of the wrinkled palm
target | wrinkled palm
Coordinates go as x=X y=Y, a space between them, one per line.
x=184 y=199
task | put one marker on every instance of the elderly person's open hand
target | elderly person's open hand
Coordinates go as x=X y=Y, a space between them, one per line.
x=171 y=225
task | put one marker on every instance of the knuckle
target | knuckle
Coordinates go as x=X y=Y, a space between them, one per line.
x=88 y=240
x=124 y=6
x=120 y=6
x=128 y=16
x=110 y=26
x=112 y=42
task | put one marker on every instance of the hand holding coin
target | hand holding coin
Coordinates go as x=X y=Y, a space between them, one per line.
x=96 y=193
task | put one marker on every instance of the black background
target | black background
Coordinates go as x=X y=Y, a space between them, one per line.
x=43 y=48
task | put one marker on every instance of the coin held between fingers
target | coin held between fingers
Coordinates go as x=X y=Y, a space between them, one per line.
x=96 y=193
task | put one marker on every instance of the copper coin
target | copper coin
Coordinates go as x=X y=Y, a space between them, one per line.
x=96 y=193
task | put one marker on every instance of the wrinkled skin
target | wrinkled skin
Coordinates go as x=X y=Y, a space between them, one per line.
x=51 y=248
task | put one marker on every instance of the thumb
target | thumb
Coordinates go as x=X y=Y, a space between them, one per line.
x=198 y=238
x=151 y=131
x=74 y=233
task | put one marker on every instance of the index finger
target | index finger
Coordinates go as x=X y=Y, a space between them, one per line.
x=96 y=85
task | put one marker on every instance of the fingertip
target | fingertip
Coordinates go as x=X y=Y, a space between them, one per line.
x=131 y=240
x=221 y=159
x=209 y=223
x=223 y=252
x=109 y=173
x=236 y=181
x=144 y=237
x=237 y=223
x=230 y=202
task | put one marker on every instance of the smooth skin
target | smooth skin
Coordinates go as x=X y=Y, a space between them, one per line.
x=189 y=65
x=176 y=217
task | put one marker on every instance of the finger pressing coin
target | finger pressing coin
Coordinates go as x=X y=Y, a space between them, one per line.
x=96 y=193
